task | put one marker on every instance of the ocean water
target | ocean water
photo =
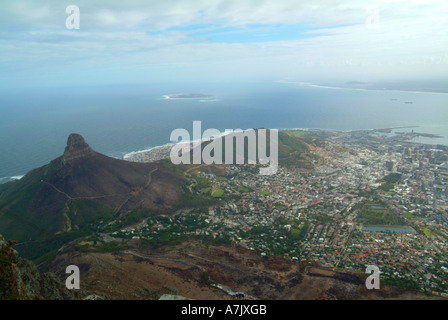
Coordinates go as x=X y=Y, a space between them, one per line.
x=34 y=125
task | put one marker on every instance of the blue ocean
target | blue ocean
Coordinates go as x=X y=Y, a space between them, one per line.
x=35 y=124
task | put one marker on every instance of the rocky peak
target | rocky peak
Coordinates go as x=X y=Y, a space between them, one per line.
x=21 y=280
x=76 y=148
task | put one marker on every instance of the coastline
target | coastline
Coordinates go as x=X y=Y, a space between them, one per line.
x=160 y=152
x=313 y=85
x=163 y=151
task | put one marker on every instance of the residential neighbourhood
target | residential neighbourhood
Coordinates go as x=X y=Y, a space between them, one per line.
x=371 y=200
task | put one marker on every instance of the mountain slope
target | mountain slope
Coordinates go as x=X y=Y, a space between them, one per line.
x=293 y=150
x=20 y=279
x=79 y=188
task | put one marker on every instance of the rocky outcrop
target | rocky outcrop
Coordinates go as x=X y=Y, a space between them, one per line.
x=20 y=279
x=76 y=148
x=12 y=286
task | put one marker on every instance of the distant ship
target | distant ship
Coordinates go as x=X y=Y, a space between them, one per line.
x=408 y=102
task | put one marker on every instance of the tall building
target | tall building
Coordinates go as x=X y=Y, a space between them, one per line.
x=443 y=168
x=407 y=152
x=390 y=166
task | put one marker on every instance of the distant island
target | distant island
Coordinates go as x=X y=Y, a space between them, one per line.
x=187 y=96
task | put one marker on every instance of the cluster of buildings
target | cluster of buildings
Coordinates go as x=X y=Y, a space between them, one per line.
x=314 y=216
x=150 y=155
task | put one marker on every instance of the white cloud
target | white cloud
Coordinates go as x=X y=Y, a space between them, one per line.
x=135 y=36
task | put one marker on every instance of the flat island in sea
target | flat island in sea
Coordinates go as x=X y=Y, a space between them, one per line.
x=187 y=96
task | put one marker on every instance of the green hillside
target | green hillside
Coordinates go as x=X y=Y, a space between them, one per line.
x=292 y=149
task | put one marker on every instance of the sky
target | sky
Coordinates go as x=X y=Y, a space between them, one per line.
x=145 y=41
